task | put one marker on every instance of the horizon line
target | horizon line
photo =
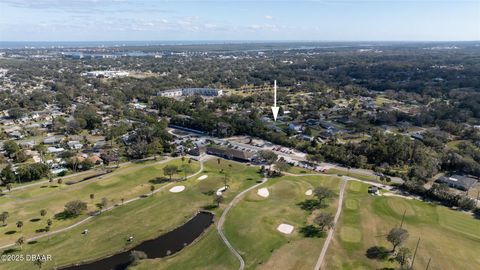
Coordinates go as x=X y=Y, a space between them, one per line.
x=244 y=40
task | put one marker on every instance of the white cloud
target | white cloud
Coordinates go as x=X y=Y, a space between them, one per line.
x=263 y=27
x=268 y=17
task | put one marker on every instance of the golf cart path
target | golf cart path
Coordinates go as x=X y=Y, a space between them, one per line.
x=332 y=230
x=26 y=186
x=386 y=187
x=222 y=220
x=106 y=209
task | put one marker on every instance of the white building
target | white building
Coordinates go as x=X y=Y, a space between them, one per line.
x=105 y=73
x=75 y=145
x=55 y=150
x=171 y=93
x=207 y=92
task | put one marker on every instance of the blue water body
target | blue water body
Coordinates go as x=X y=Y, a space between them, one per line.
x=78 y=44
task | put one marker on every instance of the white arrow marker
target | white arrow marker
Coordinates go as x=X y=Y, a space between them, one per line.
x=275 y=108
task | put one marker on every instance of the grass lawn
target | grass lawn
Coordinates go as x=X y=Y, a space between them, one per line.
x=366 y=220
x=298 y=170
x=145 y=219
x=24 y=205
x=209 y=252
x=353 y=174
x=454 y=144
x=218 y=255
x=251 y=226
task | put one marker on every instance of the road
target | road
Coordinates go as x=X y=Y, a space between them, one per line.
x=321 y=258
x=289 y=154
x=106 y=210
x=37 y=183
x=222 y=220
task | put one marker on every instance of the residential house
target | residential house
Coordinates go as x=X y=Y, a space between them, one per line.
x=75 y=145
x=52 y=140
x=461 y=182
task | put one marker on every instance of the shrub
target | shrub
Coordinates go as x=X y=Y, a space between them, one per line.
x=136 y=256
x=377 y=253
x=309 y=205
x=72 y=209
x=311 y=231
x=476 y=213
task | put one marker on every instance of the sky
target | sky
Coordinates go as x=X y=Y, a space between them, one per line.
x=314 y=20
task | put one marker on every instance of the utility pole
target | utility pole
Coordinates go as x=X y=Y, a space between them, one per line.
x=428 y=264
x=415 y=254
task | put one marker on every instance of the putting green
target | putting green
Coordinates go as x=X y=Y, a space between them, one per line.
x=144 y=218
x=351 y=204
x=350 y=234
x=251 y=225
x=129 y=181
x=401 y=206
x=443 y=232
x=355 y=186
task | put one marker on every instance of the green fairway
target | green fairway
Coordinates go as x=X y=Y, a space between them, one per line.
x=210 y=248
x=443 y=232
x=217 y=256
x=353 y=174
x=25 y=205
x=145 y=219
x=251 y=226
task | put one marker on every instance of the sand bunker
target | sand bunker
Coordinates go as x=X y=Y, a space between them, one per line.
x=177 y=189
x=221 y=190
x=285 y=228
x=309 y=192
x=263 y=192
x=203 y=177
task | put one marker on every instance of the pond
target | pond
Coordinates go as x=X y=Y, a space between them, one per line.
x=162 y=246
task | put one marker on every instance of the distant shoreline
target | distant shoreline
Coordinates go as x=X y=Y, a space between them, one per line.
x=120 y=43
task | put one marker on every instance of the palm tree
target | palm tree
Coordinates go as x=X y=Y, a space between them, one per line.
x=38 y=263
x=50 y=178
x=226 y=177
x=103 y=204
x=19 y=224
x=3 y=217
x=170 y=170
x=218 y=199
x=20 y=242
x=185 y=168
